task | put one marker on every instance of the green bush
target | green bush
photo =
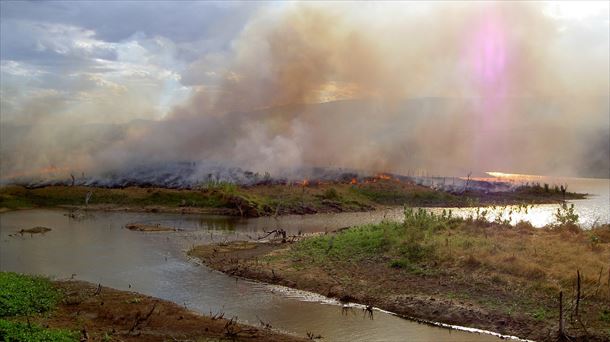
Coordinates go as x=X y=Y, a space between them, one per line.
x=410 y=241
x=22 y=332
x=400 y=263
x=331 y=194
x=25 y=295
x=566 y=215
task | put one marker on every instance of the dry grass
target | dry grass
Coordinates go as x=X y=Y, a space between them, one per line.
x=549 y=256
x=515 y=271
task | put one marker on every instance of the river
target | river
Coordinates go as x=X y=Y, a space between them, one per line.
x=98 y=249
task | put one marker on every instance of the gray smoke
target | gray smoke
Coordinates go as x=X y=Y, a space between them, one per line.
x=371 y=88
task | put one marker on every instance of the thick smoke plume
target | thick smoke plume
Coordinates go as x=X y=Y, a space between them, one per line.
x=405 y=88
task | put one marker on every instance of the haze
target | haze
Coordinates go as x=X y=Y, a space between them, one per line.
x=447 y=88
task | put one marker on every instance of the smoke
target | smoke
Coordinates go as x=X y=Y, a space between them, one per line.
x=441 y=88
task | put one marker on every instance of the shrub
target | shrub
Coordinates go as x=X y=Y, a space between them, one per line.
x=565 y=215
x=400 y=263
x=331 y=194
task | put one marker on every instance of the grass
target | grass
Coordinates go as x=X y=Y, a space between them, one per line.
x=389 y=195
x=14 y=197
x=261 y=200
x=547 y=190
x=11 y=331
x=514 y=269
x=37 y=310
x=551 y=253
x=267 y=200
x=22 y=297
x=406 y=242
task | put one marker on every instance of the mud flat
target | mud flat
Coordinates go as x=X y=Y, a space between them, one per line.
x=35 y=230
x=482 y=275
x=141 y=227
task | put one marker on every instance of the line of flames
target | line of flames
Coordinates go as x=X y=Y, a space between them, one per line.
x=354 y=181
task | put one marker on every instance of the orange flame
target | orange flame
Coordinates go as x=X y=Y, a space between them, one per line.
x=51 y=170
x=383 y=176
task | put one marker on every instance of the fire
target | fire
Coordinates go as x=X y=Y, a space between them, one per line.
x=51 y=170
x=305 y=182
x=354 y=181
x=383 y=176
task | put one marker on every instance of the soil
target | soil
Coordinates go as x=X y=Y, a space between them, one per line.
x=412 y=296
x=106 y=314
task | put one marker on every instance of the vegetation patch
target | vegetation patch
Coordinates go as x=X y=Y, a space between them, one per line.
x=465 y=271
x=23 y=332
x=25 y=295
x=34 y=309
x=268 y=199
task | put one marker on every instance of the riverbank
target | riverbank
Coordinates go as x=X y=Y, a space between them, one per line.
x=268 y=200
x=472 y=273
x=35 y=309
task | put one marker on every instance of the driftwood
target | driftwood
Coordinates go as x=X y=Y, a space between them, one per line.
x=139 y=319
x=277 y=233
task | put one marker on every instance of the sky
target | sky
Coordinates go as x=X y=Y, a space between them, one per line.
x=81 y=59
x=191 y=64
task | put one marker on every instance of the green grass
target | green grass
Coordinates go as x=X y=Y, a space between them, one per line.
x=14 y=197
x=398 y=196
x=25 y=295
x=22 y=332
x=541 y=314
x=407 y=242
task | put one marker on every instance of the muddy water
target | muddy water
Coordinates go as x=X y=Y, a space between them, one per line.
x=98 y=249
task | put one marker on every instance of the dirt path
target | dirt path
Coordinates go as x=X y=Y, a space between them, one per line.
x=106 y=314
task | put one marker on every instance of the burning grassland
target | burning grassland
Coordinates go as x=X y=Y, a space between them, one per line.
x=274 y=197
x=347 y=193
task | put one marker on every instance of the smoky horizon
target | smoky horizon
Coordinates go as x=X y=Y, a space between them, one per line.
x=442 y=89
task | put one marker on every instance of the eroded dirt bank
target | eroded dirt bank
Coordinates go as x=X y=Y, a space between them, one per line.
x=465 y=294
x=106 y=314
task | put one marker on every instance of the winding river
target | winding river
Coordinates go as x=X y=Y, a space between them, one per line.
x=98 y=249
